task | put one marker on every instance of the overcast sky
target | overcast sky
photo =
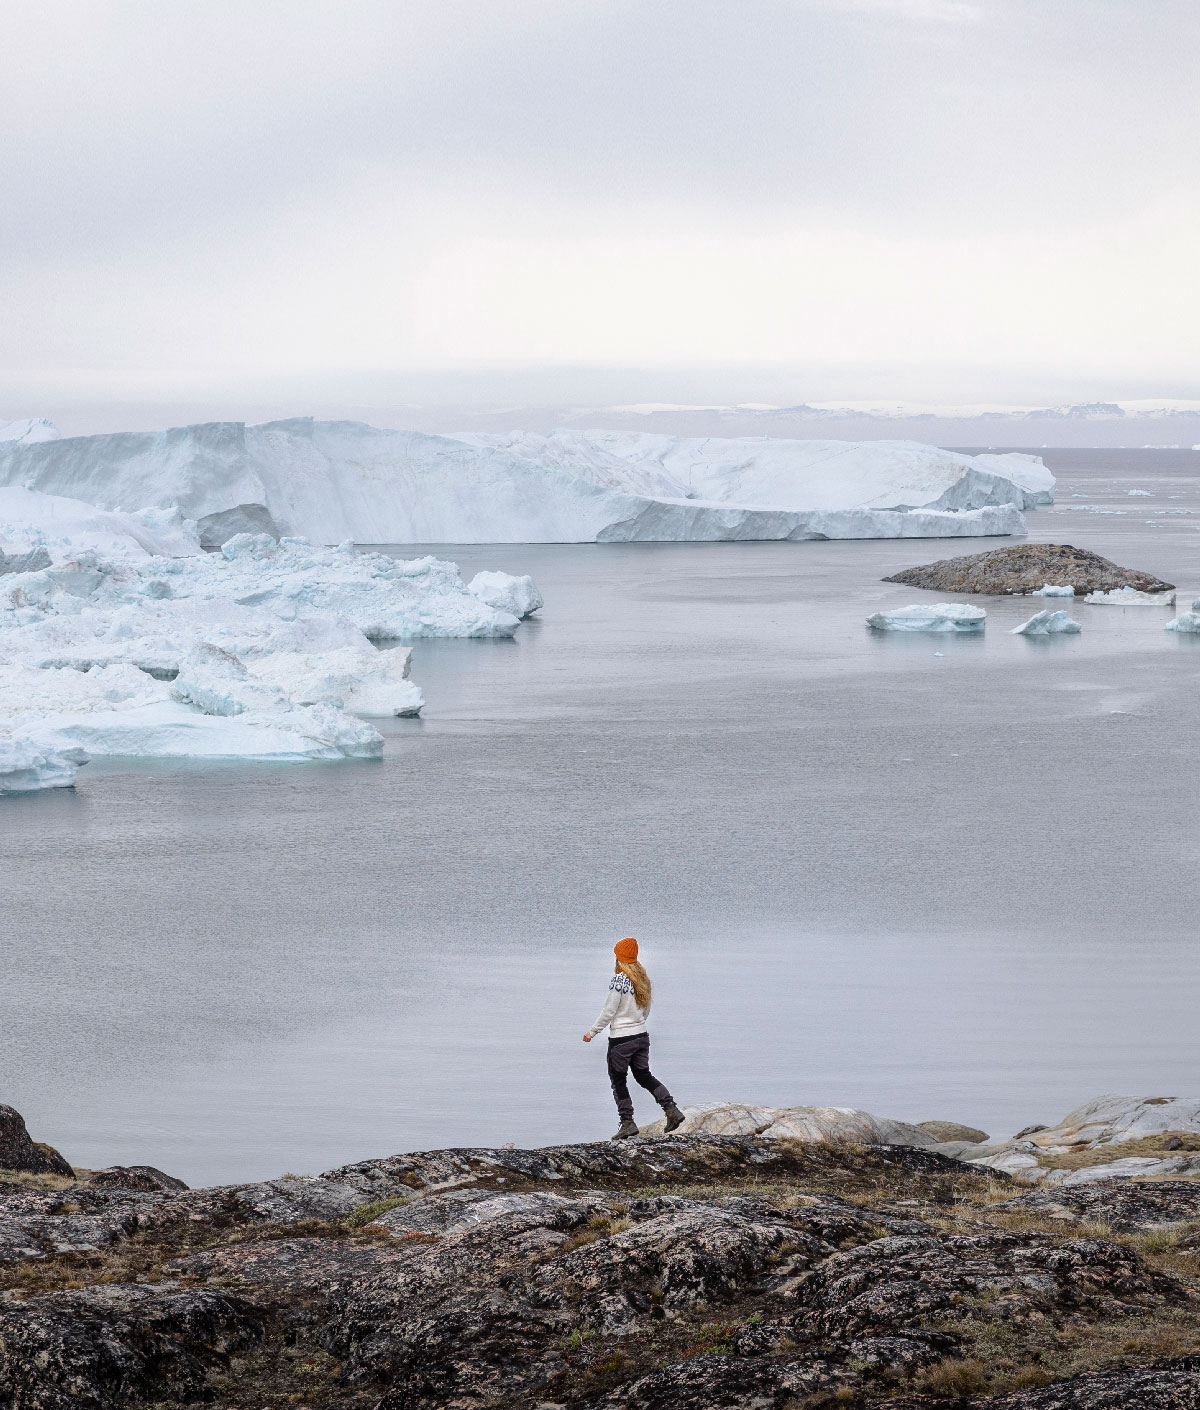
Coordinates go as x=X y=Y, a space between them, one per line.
x=281 y=187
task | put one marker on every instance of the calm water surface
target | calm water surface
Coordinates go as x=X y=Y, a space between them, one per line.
x=956 y=885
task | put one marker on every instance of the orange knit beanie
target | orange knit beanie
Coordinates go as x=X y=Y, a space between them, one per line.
x=626 y=950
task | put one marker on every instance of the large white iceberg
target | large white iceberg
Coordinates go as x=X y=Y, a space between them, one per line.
x=332 y=481
x=1048 y=624
x=1053 y=590
x=930 y=617
x=266 y=650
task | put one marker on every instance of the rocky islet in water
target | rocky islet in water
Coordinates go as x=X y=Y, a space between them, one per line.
x=1026 y=568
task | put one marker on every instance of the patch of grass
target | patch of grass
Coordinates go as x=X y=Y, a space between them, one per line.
x=22 y=1179
x=954 y=1376
x=368 y=1213
x=712 y=1339
x=580 y=1336
x=600 y=1226
x=1120 y=1150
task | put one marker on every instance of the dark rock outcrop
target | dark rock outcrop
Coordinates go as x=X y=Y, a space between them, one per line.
x=19 y=1151
x=135 y=1177
x=1026 y=567
x=665 y=1273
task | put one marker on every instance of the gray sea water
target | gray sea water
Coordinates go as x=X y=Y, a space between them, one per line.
x=956 y=885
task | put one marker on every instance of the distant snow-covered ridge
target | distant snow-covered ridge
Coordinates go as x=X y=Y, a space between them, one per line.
x=332 y=481
x=29 y=431
x=1147 y=407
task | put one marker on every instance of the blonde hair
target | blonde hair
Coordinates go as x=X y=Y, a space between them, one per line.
x=640 y=980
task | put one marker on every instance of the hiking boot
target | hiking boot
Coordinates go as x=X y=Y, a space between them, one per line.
x=674 y=1118
x=628 y=1128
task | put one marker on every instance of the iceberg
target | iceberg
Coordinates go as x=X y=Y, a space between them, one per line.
x=1185 y=622
x=930 y=617
x=331 y=481
x=1051 y=590
x=46 y=525
x=1047 y=624
x=27 y=766
x=517 y=595
x=1131 y=597
x=270 y=649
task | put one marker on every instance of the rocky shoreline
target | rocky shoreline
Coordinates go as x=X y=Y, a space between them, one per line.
x=684 y=1272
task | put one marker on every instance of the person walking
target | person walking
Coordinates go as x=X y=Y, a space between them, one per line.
x=624 y=1015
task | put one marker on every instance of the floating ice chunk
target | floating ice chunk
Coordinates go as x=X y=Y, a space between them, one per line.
x=1047 y=624
x=262 y=651
x=27 y=765
x=1050 y=590
x=1185 y=622
x=507 y=593
x=249 y=546
x=172 y=730
x=1144 y=494
x=217 y=683
x=360 y=678
x=930 y=617
x=1131 y=597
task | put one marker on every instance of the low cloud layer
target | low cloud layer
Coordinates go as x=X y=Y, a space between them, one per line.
x=271 y=188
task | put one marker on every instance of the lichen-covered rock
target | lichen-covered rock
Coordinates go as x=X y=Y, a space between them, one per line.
x=135 y=1177
x=1174 y=1385
x=893 y=1284
x=687 y=1272
x=1123 y=1206
x=106 y=1346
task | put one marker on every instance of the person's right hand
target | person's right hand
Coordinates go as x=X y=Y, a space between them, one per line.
x=587 y=1037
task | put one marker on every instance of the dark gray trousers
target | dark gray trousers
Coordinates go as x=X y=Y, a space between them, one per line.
x=627 y=1055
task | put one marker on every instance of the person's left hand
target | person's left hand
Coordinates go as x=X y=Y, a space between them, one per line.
x=587 y=1037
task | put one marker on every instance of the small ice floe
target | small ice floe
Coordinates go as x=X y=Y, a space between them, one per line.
x=1143 y=494
x=930 y=617
x=27 y=765
x=1047 y=624
x=1131 y=597
x=1051 y=590
x=1186 y=621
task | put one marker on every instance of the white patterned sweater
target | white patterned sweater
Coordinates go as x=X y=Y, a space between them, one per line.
x=620 y=1014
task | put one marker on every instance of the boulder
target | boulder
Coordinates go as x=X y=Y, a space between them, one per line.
x=19 y=1151
x=1115 y=1119
x=1027 y=568
x=943 y=1131
x=136 y=1177
x=1159 y=1125
x=796 y=1123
